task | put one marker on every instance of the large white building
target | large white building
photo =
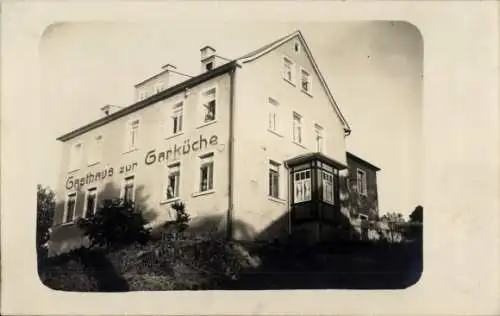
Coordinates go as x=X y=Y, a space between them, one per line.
x=253 y=146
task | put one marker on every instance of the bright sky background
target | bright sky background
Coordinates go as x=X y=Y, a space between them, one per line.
x=374 y=70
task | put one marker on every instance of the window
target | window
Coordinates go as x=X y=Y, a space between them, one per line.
x=173 y=179
x=95 y=151
x=209 y=103
x=206 y=172
x=297 y=128
x=361 y=185
x=274 y=179
x=209 y=66
x=159 y=87
x=177 y=118
x=273 y=114
x=91 y=202
x=128 y=193
x=306 y=81
x=288 y=69
x=328 y=187
x=143 y=95
x=75 y=158
x=70 y=208
x=131 y=140
x=318 y=135
x=296 y=47
x=302 y=186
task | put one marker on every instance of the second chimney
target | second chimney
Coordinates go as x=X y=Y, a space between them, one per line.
x=207 y=58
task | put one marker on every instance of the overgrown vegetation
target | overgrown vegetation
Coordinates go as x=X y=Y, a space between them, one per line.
x=44 y=218
x=117 y=223
x=125 y=256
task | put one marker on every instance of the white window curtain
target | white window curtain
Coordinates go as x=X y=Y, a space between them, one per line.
x=328 y=187
x=302 y=186
x=206 y=173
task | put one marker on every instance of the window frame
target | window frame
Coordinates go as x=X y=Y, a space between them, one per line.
x=297 y=44
x=300 y=125
x=331 y=175
x=166 y=185
x=309 y=81
x=65 y=213
x=198 y=183
x=319 y=128
x=95 y=154
x=176 y=108
x=293 y=70
x=306 y=197
x=124 y=184
x=72 y=164
x=158 y=86
x=273 y=111
x=278 y=174
x=128 y=127
x=203 y=103
x=363 y=190
x=85 y=206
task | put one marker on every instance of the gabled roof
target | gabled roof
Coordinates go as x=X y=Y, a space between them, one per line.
x=206 y=76
x=269 y=47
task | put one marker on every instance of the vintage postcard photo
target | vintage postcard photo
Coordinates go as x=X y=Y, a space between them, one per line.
x=235 y=158
x=230 y=157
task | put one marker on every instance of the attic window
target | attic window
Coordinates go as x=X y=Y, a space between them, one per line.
x=296 y=47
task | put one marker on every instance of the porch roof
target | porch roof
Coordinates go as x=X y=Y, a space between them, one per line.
x=304 y=158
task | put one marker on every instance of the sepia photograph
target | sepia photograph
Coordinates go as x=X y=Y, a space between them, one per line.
x=250 y=158
x=230 y=156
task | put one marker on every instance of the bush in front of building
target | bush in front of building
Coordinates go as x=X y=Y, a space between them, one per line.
x=117 y=223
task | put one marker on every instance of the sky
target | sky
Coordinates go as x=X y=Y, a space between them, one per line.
x=374 y=70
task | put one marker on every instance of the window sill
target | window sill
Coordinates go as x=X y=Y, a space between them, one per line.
x=290 y=82
x=274 y=132
x=174 y=135
x=169 y=201
x=306 y=92
x=207 y=123
x=130 y=150
x=277 y=200
x=299 y=144
x=203 y=193
x=73 y=222
x=90 y=164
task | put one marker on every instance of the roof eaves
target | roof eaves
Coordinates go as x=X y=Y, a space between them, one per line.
x=266 y=48
x=352 y=156
x=151 y=100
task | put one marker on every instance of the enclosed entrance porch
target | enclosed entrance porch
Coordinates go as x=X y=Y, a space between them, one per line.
x=314 y=196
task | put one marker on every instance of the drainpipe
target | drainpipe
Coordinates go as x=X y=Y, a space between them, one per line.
x=230 y=155
x=289 y=198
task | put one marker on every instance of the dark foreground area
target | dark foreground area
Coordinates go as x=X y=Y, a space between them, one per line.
x=222 y=265
x=335 y=266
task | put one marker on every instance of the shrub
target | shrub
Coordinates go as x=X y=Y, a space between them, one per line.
x=117 y=223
